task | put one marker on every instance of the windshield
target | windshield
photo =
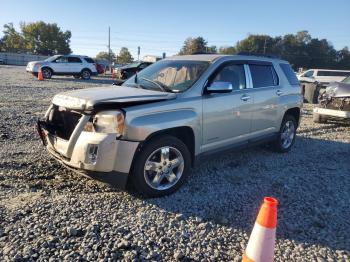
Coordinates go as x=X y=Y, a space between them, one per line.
x=169 y=75
x=346 y=80
x=51 y=58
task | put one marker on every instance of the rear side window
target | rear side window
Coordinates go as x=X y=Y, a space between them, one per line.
x=289 y=73
x=72 y=59
x=263 y=75
x=332 y=73
x=89 y=60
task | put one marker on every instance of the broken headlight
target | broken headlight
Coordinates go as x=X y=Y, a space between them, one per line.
x=107 y=122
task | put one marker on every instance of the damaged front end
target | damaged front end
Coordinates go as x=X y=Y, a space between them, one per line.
x=334 y=103
x=336 y=97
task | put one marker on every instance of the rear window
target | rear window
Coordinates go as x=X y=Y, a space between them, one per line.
x=289 y=73
x=89 y=60
x=74 y=59
x=263 y=75
x=332 y=73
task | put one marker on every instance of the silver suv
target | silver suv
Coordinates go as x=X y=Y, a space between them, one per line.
x=154 y=127
x=77 y=66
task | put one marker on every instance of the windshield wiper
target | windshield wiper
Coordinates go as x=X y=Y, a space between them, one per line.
x=161 y=86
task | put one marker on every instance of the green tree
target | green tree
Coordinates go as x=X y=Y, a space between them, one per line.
x=227 y=50
x=12 y=41
x=124 y=56
x=105 y=56
x=194 y=45
x=36 y=38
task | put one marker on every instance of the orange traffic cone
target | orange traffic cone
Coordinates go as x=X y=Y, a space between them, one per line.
x=261 y=243
x=40 y=75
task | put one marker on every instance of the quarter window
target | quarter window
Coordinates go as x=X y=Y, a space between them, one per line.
x=233 y=74
x=263 y=75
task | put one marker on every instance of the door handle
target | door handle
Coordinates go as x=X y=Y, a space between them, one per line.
x=279 y=92
x=245 y=97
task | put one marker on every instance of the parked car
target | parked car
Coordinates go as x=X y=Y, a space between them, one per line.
x=78 y=66
x=160 y=122
x=323 y=76
x=334 y=103
x=2 y=61
x=100 y=68
x=129 y=70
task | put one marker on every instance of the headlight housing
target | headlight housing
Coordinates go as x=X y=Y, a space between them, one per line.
x=110 y=122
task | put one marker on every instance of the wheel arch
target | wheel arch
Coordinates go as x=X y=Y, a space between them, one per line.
x=183 y=133
x=295 y=112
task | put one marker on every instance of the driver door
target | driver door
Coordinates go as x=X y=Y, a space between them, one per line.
x=227 y=116
x=60 y=64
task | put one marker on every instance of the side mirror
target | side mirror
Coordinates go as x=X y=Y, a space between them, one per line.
x=220 y=87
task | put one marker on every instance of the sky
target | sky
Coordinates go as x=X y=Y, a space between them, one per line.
x=159 y=26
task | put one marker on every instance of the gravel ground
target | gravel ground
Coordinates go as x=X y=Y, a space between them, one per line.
x=49 y=213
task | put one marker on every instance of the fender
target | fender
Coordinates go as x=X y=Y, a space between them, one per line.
x=142 y=127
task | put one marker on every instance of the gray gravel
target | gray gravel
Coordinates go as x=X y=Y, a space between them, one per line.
x=48 y=213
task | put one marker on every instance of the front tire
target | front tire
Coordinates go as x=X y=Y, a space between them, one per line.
x=286 y=136
x=47 y=72
x=161 y=167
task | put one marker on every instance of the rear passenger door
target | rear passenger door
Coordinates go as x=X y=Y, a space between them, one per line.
x=267 y=91
x=74 y=64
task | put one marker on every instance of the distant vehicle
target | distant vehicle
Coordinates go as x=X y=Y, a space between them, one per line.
x=334 y=102
x=129 y=70
x=100 y=68
x=323 y=76
x=2 y=62
x=78 y=66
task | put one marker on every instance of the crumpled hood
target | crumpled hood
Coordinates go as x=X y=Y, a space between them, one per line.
x=88 y=99
x=338 y=89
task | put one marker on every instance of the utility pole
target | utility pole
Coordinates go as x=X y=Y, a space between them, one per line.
x=138 y=53
x=265 y=46
x=109 y=45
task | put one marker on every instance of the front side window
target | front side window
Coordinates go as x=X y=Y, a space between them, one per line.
x=263 y=75
x=233 y=74
x=62 y=59
x=169 y=75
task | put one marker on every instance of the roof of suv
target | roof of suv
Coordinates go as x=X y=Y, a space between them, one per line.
x=213 y=57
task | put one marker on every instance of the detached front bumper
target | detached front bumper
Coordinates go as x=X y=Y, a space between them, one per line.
x=332 y=113
x=97 y=155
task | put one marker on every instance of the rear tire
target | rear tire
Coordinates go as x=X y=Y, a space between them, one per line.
x=286 y=135
x=317 y=118
x=161 y=167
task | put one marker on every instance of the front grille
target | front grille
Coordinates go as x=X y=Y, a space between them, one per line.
x=62 y=122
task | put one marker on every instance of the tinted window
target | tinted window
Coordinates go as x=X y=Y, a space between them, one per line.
x=73 y=59
x=263 y=75
x=233 y=74
x=332 y=73
x=89 y=60
x=144 y=65
x=289 y=73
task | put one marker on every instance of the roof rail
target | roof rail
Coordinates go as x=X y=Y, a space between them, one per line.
x=258 y=54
